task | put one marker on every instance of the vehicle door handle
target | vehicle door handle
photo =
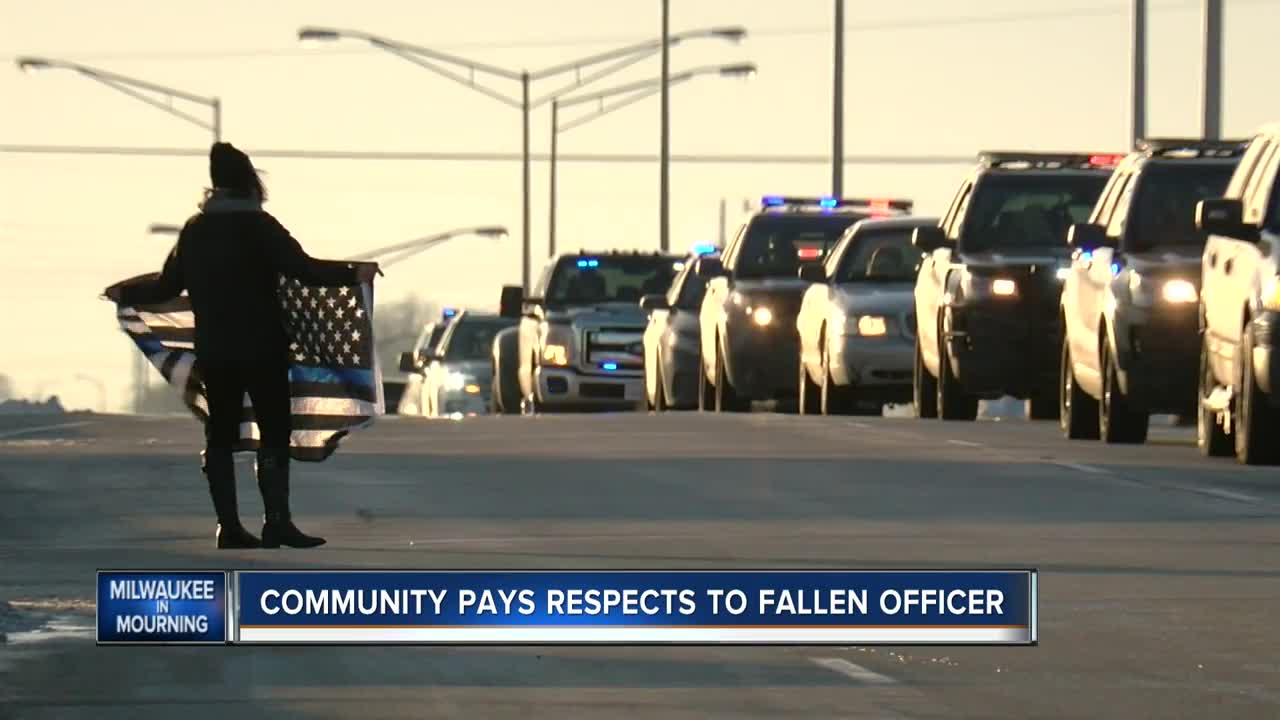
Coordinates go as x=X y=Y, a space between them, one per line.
x=1213 y=260
x=1226 y=266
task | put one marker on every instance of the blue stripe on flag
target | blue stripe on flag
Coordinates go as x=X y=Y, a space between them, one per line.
x=343 y=376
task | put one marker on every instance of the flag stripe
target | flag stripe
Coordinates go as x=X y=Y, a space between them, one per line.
x=335 y=381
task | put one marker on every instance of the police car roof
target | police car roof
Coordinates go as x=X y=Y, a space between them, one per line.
x=1190 y=148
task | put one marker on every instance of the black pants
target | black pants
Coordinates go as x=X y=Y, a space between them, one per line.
x=268 y=388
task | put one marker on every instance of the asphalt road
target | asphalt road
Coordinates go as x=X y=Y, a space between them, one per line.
x=1159 y=587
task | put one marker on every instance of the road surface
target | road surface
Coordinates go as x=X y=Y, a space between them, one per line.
x=1159 y=588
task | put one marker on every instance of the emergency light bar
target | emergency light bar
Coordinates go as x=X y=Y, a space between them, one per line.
x=830 y=203
x=1191 y=147
x=1010 y=160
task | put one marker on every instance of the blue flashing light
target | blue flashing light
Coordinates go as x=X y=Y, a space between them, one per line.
x=610 y=366
x=1086 y=256
x=773 y=200
x=582 y=263
x=827 y=202
x=1115 y=268
x=703 y=249
x=450 y=312
x=593 y=263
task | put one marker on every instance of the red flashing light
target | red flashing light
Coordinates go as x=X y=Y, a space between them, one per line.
x=882 y=206
x=1105 y=160
x=808 y=253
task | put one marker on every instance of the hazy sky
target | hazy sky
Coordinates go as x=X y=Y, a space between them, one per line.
x=923 y=77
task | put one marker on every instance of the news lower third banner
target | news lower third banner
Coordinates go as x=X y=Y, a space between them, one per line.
x=981 y=607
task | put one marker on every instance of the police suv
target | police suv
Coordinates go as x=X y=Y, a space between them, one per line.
x=987 y=294
x=1240 y=310
x=747 y=320
x=1129 y=304
x=581 y=334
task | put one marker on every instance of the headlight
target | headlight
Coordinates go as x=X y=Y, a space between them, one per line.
x=1063 y=273
x=1004 y=287
x=557 y=343
x=1271 y=295
x=1179 y=292
x=555 y=355
x=762 y=316
x=866 y=326
x=455 y=381
x=471 y=389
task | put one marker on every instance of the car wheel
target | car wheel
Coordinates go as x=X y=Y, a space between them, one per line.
x=953 y=402
x=1211 y=438
x=924 y=388
x=1256 y=421
x=1118 y=421
x=836 y=400
x=706 y=391
x=808 y=399
x=727 y=399
x=1077 y=411
x=659 y=396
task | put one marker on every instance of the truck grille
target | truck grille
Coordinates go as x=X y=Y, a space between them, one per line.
x=620 y=347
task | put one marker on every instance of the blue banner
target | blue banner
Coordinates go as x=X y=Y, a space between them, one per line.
x=694 y=607
x=162 y=607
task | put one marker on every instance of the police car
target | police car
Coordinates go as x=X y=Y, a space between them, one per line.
x=987 y=294
x=747 y=320
x=1131 y=345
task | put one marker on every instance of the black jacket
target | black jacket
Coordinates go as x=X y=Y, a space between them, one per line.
x=230 y=263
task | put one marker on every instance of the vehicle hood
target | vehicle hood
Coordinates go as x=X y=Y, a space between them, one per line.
x=1016 y=258
x=480 y=369
x=614 y=313
x=872 y=297
x=1175 y=260
x=772 y=286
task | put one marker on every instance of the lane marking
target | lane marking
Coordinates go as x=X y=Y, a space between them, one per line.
x=1222 y=494
x=42 y=428
x=964 y=443
x=855 y=672
x=1081 y=467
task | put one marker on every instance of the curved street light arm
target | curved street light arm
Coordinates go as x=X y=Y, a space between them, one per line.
x=638 y=96
x=389 y=44
x=450 y=74
x=676 y=78
x=423 y=243
x=642 y=49
x=582 y=82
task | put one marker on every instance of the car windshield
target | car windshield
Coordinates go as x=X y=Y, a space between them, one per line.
x=691 y=292
x=1013 y=210
x=589 y=280
x=881 y=255
x=472 y=339
x=776 y=246
x=1164 y=211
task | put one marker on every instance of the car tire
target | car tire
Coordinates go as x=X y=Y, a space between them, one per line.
x=808 y=399
x=953 y=402
x=1211 y=439
x=924 y=388
x=706 y=391
x=659 y=396
x=836 y=400
x=1118 y=422
x=530 y=405
x=727 y=399
x=1077 y=409
x=1256 y=420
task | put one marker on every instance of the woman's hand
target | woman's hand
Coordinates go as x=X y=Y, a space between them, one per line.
x=365 y=272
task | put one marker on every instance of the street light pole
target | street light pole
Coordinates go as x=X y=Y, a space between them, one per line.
x=1139 y=87
x=637 y=91
x=551 y=189
x=136 y=89
x=1212 y=69
x=837 y=107
x=664 y=159
x=438 y=62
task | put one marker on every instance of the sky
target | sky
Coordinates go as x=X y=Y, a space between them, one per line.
x=928 y=77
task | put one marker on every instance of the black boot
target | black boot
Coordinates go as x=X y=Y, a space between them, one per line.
x=273 y=480
x=220 y=471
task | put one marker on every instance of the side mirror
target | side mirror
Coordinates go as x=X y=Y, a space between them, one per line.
x=408 y=362
x=1220 y=216
x=710 y=268
x=512 y=299
x=1086 y=236
x=928 y=238
x=654 y=302
x=813 y=272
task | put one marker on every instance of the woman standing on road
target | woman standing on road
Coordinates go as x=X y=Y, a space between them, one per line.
x=228 y=258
